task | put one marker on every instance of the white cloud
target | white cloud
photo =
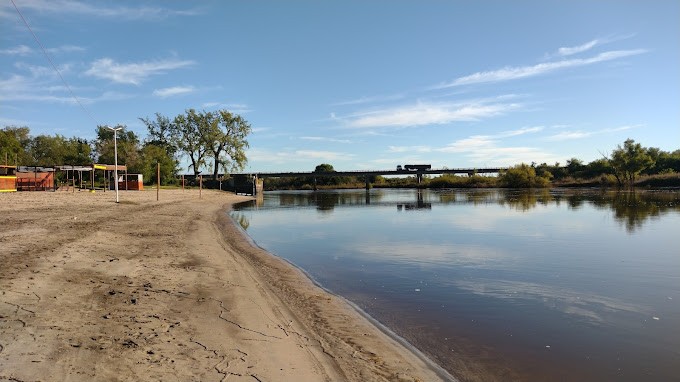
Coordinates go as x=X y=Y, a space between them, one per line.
x=133 y=73
x=430 y=114
x=486 y=150
x=324 y=155
x=325 y=139
x=66 y=49
x=21 y=50
x=239 y=108
x=579 y=134
x=173 y=91
x=288 y=156
x=87 y=8
x=409 y=149
x=568 y=135
x=374 y=99
x=568 y=51
x=513 y=73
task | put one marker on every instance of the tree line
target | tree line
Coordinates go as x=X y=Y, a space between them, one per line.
x=215 y=140
x=622 y=168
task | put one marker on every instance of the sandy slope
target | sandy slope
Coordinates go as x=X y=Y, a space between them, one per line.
x=168 y=290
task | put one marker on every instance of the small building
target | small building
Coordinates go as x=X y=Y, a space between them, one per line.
x=8 y=178
x=35 y=178
x=131 y=182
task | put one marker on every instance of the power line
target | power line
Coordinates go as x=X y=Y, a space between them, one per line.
x=54 y=66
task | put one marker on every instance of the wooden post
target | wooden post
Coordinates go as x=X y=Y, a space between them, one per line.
x=200 y=185
x=158 y=179
x=182 y=182
x=73 y=176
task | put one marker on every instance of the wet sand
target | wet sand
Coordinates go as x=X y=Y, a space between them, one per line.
x=170 y=290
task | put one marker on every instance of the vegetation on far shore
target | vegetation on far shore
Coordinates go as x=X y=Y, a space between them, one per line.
x=217 y=141
x=629 y=165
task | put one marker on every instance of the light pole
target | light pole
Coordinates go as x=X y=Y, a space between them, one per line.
x=115 y=157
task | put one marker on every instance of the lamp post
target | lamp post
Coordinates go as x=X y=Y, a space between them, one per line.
x=115 y=156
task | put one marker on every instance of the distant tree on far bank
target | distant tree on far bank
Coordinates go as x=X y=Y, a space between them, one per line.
x=324 y=167
x=629 y=161
x=524 y=176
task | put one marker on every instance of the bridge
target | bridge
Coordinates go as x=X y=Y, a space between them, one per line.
x=250 y=183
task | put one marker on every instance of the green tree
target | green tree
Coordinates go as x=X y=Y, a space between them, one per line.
x=162 y=132
x=575 y=167
x=224 y=136
x=47 y=150
x=78 y=152
x=523 y=176
x=628 y=161
x=327 y=180
x=128 y=147
x=151 y=156
x=324 y=167
x=14 y=145
x=189 y=142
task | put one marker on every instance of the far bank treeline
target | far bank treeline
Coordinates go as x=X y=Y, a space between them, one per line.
x=217 y=140
x=212 y=140
x=628 y=165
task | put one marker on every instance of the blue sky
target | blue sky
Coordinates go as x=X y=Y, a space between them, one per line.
x=357 y=84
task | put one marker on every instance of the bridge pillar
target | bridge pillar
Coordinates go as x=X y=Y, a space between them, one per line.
x=368 y=185
x=419 y=177
x=315 y=184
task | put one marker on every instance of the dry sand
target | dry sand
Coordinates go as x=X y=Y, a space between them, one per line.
x=169 y=290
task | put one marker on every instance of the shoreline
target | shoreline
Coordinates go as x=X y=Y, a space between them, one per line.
x=438 y=369
x=171 y=290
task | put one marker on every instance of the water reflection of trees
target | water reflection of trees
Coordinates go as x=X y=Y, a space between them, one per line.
x=241 y=219
x=326 y=201
x=631 y=208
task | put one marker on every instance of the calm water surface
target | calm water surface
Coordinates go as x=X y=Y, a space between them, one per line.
x=498 y=285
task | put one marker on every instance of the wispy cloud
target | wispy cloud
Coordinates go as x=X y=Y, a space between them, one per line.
x=41 y=84
x=233 y=107
x=486 y=150
x=66 y=49
x=422 y=114
x=492 y=150
x=325 y=155
x=373 y=99
x=173 y=91
x=513 y=73
x=21 y=50
x=133 y=73
x=409 y=149
x=580 y=134
x=288 y=156
x=326 y=139
x=571 y=50
x=88 y=8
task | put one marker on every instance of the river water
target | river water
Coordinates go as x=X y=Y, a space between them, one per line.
x=495 y=284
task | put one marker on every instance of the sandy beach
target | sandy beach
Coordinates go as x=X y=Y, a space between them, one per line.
x=170 y=290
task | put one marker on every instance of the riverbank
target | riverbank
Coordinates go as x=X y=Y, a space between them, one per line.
x=169 y=290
